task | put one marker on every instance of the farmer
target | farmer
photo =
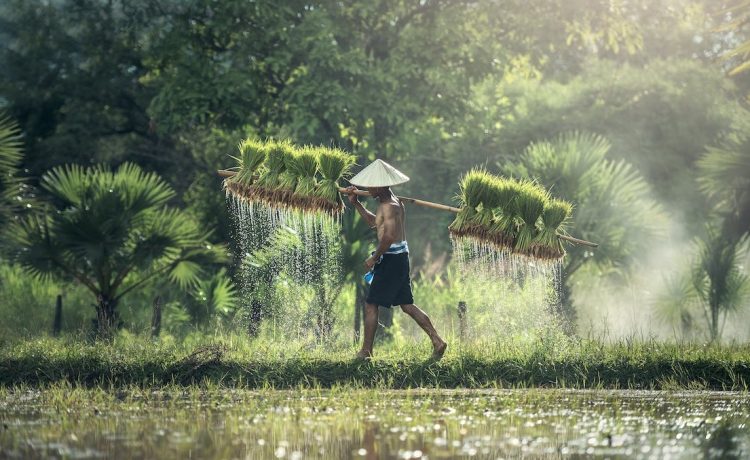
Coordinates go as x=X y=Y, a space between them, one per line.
x=389 y=264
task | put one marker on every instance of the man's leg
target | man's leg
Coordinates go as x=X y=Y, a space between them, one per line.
x=371 y=325
x=424 y=322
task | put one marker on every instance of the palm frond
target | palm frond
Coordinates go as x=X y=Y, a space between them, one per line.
x=10 y=145
x=612 y=200
x=725 y=171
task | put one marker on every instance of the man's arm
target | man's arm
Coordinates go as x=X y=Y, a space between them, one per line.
x=366 y=215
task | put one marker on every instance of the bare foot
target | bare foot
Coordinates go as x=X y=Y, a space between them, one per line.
x=439 y=351
x=363 y=356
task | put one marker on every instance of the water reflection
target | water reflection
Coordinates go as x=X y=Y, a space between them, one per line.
x=373 y=424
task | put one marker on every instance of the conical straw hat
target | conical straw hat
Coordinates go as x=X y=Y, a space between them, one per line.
x=379 y=174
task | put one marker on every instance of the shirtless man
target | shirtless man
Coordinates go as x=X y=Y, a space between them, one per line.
x=391 y=284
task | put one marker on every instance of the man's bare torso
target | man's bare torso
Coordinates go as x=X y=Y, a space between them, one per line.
x=391 y=209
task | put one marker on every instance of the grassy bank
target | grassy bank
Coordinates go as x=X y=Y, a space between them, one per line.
x=236 y=362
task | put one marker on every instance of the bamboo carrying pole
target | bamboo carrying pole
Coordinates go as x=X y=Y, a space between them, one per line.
x=427 y=204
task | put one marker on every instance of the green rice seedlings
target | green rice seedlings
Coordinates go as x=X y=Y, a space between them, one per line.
x=490 y=199
x=503 y=227
x=333 y=164
x=530 y=203
x=305 y=167
x=275 y=165
x=287 y=180
x=471 y=185
x=556 y=212
x=252 y=157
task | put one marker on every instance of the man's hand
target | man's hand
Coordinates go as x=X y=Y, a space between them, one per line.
x=370 y=262
x=353 y=199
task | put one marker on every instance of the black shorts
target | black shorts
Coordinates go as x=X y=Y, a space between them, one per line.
x=391 y=284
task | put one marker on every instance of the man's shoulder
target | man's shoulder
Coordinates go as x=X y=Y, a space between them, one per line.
x=389 y=206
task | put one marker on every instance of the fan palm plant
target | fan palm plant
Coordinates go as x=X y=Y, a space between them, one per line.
x=10 y=157
x=112 y=232
x=724 y=176
x=739 y=12
x=719 y=280
x=612 y=200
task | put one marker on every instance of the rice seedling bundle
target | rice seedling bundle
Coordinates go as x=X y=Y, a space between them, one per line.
x=267 y=186
x=489 y=200
x=473 y=185
x=530 y=203
x=282 y=175
x=503 y=226
x=252 y=156
x=556 y=212
x=275 y=165
x=333 y=164
x=287 y=179
x=514 y=216
x=305 y=168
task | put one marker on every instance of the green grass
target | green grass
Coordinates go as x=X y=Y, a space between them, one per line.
x=234 y=361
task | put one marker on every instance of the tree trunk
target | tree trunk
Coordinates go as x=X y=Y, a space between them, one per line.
x=714 y=321
x=462 y=326
x=564 y=309
x=324 y=316
x=156 y=318
x=256 y=316
x=106 y=317
x=57 y=324
x=385 y=321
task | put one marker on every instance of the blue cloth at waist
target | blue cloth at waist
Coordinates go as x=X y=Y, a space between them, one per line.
x=398 y=248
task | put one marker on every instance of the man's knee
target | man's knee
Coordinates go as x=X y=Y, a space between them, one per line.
x=409 y=308
x=371 y=307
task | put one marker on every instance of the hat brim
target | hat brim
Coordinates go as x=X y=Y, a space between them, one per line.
x=377 y=184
